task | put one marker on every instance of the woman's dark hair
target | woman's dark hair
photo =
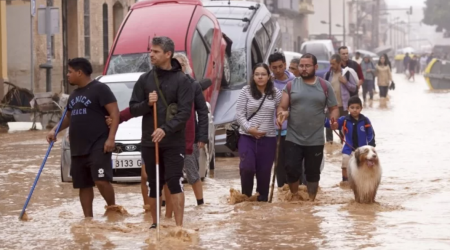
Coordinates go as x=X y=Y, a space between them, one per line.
x=386 y=60
x=269 y=91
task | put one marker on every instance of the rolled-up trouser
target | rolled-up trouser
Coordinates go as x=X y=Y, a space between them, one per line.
x=295 y=154
x=192 y=165
x=345 y=160
x=256 y=157
x=329 y=132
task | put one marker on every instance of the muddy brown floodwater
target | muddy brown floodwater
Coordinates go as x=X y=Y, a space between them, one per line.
x=413 y=209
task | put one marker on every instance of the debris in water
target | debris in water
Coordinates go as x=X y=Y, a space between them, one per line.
x=146 y=208
x=286 y=195
x=344 y=185
x=117 y=209
x=25 y=217
x=236 y=197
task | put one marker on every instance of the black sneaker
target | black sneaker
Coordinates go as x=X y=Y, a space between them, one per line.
x=153 y=226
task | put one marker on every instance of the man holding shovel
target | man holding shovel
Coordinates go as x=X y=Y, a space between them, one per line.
x=170 y=89
x=91 y=141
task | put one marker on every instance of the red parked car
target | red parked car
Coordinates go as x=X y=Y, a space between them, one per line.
x=194 y=30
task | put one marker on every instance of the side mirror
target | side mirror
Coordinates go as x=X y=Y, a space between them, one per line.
x=205 y=83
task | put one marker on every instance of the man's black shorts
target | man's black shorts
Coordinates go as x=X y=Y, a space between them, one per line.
x=87 y=169
x=171 y=163
x=295 y=154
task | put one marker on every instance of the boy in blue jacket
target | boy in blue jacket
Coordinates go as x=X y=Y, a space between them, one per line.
x=357 y=129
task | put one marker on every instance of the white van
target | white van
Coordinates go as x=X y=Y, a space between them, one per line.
x=322 y=49
x=289 y=55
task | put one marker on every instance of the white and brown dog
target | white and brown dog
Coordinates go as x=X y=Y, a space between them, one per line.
x=364 y=174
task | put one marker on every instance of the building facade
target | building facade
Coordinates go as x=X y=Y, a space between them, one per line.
x=91 y=28
x=349 y=22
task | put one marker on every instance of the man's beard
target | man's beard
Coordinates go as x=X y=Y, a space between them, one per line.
x=309 y=76
x=72 y=84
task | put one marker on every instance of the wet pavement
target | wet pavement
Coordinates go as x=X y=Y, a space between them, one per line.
x=412 y=210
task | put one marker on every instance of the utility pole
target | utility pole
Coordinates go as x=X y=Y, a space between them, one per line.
x=357 y=25
x=343 y=21
x=377 y=24
x=329 y=18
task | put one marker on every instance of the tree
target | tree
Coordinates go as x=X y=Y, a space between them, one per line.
x=437 y=12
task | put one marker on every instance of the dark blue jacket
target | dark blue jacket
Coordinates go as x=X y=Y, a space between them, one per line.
x=357 y=133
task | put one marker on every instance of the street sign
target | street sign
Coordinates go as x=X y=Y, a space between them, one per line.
x=53 y=24
x=33 y=8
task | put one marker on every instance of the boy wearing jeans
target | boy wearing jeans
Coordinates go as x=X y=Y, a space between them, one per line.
x=357 y=129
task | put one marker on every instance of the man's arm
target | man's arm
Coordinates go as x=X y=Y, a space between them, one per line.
x=139 y=102
x=202 y=113
x=185 y=98
x=113 y=111
x=284 y=104
x=65 y=123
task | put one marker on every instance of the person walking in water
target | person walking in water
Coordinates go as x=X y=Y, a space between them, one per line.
x=281 y=77
x=383 y=73
x=303 y=104
x=172 y=86
x=369 y=78
x=91 y=141
x=343 y=84
x=255 y=109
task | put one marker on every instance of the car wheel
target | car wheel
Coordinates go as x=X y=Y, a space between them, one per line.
x=65 y=175
x=226 y=73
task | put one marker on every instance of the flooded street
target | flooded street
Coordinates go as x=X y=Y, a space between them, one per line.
x=413 y=209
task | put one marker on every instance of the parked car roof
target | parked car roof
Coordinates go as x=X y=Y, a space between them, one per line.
x=136 y=25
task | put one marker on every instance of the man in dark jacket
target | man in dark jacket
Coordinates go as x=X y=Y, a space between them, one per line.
x=165 y=84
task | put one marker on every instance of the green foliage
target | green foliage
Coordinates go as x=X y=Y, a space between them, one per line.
x=437 y=12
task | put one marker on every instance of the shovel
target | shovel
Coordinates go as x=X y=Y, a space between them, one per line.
x=42 y=166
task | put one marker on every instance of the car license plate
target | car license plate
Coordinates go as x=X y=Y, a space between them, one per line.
x=127 y=163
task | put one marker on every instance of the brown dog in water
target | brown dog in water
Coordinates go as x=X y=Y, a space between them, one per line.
x=364 y=174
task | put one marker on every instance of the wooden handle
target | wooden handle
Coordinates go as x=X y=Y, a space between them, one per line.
x=155 y=124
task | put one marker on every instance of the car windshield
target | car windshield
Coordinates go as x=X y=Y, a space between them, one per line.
x=122 y=91
x=238 y=60
x=231 y=26
x=130 y=63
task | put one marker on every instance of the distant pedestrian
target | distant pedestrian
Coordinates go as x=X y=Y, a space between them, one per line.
x=293 y=67
x=281 y=77
x=369 y=78
x=343 y=84
x=91 y=141
x=346 y=62
x=384 y=75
